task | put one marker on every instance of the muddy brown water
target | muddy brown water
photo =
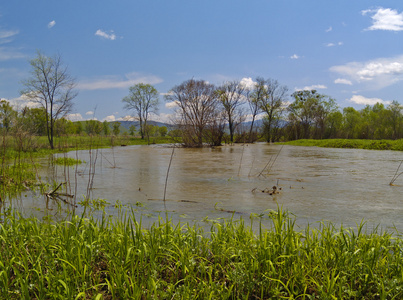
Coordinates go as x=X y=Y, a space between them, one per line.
x=344 y=186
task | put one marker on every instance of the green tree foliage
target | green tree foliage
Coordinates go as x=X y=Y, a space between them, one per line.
x=7 y=115
x=132 y=130
x=52 y=87
x=64 y=127
x=309 y=112
x=78 y=127
x=163 y=130
x=106 y=128
x=116 y=128
x=34 y=120
x=143 y=99
x=395 y=119
x=93 y=127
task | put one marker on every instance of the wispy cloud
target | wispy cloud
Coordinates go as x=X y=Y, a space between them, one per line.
x=343 y=81
x=51 y=24
x=106 y=35
x=117 y=82
x=358 y=99
x=334 y=44
x=313 y=87
x=385 y=19
x=329 y=29
x=379 y=73
x=294 y=56
x=9 y=53
x=4 y=34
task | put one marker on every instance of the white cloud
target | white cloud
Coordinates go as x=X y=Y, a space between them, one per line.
x=51 y=24
x=166 y=94
x=249 y=117
x=385 y=19
x=334 y=44
x=343 y=81
x=379 y=73
x=21 y=102
x=110 y=118
x=374 y=69
x=127 y=118
x=295 y=56
x=358 y=99
x=314 y=87
x=248 y=82
x=172 y=104
x=329 y=29
x=75 y=117
x=109 y=36
x=116 y=82
x=89 y=113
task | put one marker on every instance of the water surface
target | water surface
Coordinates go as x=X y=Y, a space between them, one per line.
x=343 y=186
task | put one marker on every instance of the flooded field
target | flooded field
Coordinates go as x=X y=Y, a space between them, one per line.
x=339 y=185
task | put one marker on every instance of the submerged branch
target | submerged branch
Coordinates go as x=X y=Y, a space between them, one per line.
x=55 y=195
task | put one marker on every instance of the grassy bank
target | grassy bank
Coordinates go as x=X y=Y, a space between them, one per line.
x=84 y=258
x=33 y=146
x=351 y=143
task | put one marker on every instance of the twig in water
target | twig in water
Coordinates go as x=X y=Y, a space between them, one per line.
x=261 y=173
x=272 y=164
x=166 y=178
x=55 y=195
x=240 y=162
x=397 y=174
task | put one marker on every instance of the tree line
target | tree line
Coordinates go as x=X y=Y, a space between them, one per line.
x=203 y=112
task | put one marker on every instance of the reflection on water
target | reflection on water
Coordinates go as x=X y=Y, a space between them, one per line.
x=339 y=185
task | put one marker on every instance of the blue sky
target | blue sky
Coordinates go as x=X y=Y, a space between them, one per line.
x=349 y=50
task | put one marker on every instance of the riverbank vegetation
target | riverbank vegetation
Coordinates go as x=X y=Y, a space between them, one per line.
x=396 y=145
x=87 y=258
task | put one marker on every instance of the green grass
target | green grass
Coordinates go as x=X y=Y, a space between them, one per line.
x=352 y=143
x=86 y=258
x=38 y=146
x=67 y=161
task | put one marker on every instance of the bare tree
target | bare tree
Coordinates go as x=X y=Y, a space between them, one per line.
x=271 y=98
x=253 y=97
x=231 y=95
x=52 y=87
x=143 y=100
x=197 y=103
